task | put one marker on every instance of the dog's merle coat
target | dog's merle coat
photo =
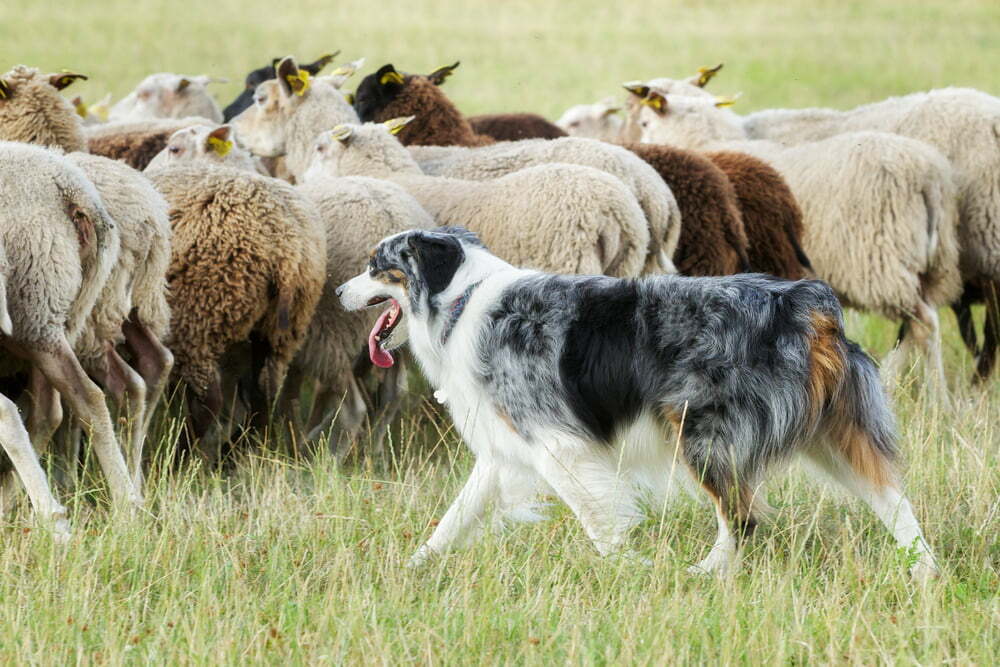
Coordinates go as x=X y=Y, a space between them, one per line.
x=574 y=382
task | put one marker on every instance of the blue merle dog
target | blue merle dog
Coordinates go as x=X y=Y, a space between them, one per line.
x=598 y=389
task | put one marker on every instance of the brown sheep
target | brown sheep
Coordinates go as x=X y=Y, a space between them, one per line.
x=771 y=216
x=515 y=126
x=248 y=266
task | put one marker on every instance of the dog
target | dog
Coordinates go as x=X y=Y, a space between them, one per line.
x=597 y=389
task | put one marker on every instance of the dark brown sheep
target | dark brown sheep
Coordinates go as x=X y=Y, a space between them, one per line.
x=771 y=216
x=515 y=126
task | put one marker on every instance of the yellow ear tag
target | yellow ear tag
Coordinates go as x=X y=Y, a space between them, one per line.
x=395 y=125
x=705 y=75
x=81 y=108
x=725 y=101
x=393 y=76
x=349 y=98
x=299 y=82
x=653 y=101
x=220 y=146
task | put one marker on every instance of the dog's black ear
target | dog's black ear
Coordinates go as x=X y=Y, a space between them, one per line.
x=438 y=257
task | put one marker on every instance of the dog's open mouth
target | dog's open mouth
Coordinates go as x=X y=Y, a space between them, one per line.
x=381 y=333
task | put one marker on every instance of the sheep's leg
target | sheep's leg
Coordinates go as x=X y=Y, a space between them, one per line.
x=66 y=465
x=966 y=326
x=920 y=332
x=347 y=416
x=991 y=331
x=153 y=361
x=129 y=392
x=61 y=368
x=389 y=402
x=15 y=441
x=204 y=411
x=46 y=410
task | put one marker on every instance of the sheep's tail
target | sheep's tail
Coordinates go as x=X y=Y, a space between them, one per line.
x=941 y=283
x=800 y=254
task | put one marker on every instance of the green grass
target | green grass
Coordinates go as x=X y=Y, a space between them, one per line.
x=302 y=563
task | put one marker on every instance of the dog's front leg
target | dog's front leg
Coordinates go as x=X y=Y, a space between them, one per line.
x=463 y=520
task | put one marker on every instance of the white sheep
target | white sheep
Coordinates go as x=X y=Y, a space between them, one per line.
x=879 y=214
x=602 y=120
x=50 y=210
x=288 y=113
x=559 y=218
x=648 y=187
x=166 y=95
x=213 y=143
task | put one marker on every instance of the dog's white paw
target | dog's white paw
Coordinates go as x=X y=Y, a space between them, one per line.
x=925 y=570
x=420 y=558
x=718 y=562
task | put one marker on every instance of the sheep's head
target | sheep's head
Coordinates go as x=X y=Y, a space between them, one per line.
x=33 y=111
x=263 y=127
x=266 y=73
x=595 y=121
x=680 y=120
x=199 y=142
x=166 y=95
x=368 y=149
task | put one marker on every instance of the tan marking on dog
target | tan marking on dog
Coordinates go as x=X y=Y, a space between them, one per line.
x=864 y=459
x=826 y=363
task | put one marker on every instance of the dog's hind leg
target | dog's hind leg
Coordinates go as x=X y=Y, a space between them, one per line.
x=463 y=520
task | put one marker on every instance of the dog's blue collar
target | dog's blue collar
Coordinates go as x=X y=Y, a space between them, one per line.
x=455 y=311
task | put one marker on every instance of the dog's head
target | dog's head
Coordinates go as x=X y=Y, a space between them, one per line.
x=411 y=271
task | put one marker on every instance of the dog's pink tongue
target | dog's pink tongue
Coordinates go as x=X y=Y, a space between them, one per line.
x=379 y=357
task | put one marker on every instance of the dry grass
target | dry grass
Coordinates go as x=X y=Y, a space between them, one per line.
x=303 y=563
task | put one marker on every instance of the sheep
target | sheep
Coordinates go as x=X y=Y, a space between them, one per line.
x=166 y=95
x=657 y=201
x=558 y=218
x=268 y=72
x=515 y=126
x=31 y=109
x=132 y=309
x=335 y=336
x=247 y=267
x=287 y=114
x=771 y=216
x=51 y=210
x=712 y=239
x=92 y=114
x=879 y=215
x=206 y=142
x=135 y=143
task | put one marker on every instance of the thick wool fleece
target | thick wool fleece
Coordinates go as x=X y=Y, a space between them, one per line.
x=60 y=240
x=963 y=124
x=557 y=218
x=336 y=336
x=655 y=198
x=138 y=278
x=881 y=227
x=134 y=143
x=771 y=216
x=34 y=112
x=712 y=241
x=437 y=121
x=248 y=256
x=515 y=126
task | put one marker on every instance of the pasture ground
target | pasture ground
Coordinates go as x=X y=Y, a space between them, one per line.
x=302 y=563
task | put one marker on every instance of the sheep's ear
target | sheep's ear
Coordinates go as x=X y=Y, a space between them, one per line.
x=726 y=101
x=387 y=75
x=395 y=125
x=655 y=101
x=316 y=67
x=349 y=98
x=637 y=88
x=348 y=69
x=705 y=75
x=292 y=79
x=5 y=91
x=342 y=133
x=63 y=79
x=79 y=106
x=439 y=75
x=182 y=84
x=218 y=141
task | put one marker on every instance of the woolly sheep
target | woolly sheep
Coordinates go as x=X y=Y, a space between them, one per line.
x=51 y=210
x=166 y=95
x=135 y=143
x=213 y=143
x=288 y=113
x=258 y=76
x=132 y=308
x=515 y=126
x=559 y=218
x=712 y=240
x=657 y=201
x=31 y=109
x=771 y=216
x=879 y=213
x=247 y=266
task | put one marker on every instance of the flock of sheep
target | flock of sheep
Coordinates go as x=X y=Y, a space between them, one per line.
x=149 y=243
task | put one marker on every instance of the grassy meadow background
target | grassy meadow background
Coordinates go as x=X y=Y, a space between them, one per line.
x=294 y=562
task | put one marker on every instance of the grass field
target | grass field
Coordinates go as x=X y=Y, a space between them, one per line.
x=303 y=563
